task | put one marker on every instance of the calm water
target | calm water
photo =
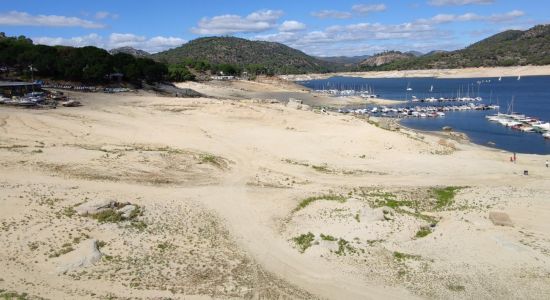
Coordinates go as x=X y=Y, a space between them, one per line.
x=531 y=94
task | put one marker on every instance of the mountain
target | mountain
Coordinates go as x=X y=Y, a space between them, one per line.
x=344 y=60
x=129 y=50
x=508 y=48
x=385 y=58
x=415 y=53
x=435 y=52
x=278 y=58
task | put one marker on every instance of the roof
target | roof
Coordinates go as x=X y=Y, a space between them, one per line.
x=15 y=83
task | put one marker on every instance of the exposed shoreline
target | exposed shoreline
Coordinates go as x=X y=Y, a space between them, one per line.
x=227 y=185
x=483 y=72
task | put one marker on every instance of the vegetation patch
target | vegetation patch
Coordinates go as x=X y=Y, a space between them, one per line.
x=304 y=241
x=456 y=287
x=344 y=246
x=309 y=200
x=212 y=160
x=424 y=231
x=445 y=196
x=108 y=216
x=321 y=168
x=66 y=249
x=328 y=238
x=165 y=246
x=4 y=295
x=69 y=211
x=399 y=256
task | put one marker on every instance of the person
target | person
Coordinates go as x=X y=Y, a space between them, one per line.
x=547 y=163
x=514 y=157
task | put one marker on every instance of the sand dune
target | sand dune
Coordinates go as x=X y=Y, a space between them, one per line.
x=243 y=199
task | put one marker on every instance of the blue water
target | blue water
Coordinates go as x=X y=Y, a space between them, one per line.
x=531 y=97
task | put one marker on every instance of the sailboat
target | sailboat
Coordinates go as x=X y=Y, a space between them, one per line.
x=500 y=78
x=519 y=77
x=409 y=87
x=431 y=88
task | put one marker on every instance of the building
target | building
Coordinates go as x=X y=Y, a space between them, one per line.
x=17 y=88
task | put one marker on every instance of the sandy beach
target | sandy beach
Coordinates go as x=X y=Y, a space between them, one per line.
x=232 y=196
x=438 y=73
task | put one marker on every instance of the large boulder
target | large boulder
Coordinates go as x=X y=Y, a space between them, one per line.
x=94 y=207
x=127 y=210
x=85 y=255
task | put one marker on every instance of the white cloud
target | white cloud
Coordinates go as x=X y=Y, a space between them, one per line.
x=91 y=39
x=100 y=15
x=331 y=14
x=115 y=40
x=469 y=17
x=161 y=43
x=258 y=21
x=289 y=26
x=16 y=18
x=364 y=9
x=458 y=2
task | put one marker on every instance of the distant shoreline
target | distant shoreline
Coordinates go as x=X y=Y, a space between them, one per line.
x=438 y=73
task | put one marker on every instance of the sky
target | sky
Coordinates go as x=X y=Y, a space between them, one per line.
x=320 y=27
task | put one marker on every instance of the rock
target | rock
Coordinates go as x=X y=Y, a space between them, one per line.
x=127 y=210
x=388 y=213
x=85 y=255
x=94 y=207
x=500 y=219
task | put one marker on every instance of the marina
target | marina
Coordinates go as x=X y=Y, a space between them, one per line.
x=416 y=111
x=474 y=106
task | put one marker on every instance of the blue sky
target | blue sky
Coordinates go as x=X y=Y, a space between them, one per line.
x=321 y=27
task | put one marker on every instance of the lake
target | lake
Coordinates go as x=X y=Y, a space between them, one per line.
x=531 y=96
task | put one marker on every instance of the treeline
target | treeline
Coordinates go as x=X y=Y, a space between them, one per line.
x=203 y=66
x=87 y=64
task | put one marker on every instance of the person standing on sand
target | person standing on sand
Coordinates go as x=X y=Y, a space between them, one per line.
x=547 y=163
x=514 y=157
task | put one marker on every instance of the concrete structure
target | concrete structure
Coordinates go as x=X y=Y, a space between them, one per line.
x=17 y=88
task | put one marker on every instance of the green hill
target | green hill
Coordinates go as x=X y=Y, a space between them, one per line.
x=508 y=48
x=276 y=57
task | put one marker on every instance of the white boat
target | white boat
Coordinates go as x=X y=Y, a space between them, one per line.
x=542 y=126
x=409 y=88
x=546 y=135
x=519 y=77
x=500 y=78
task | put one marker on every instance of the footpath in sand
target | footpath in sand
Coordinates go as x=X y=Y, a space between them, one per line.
x=145 y=197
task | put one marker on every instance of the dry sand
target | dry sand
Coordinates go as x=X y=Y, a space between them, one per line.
x=221 y=187
x=439 y=73
x=273 y=88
